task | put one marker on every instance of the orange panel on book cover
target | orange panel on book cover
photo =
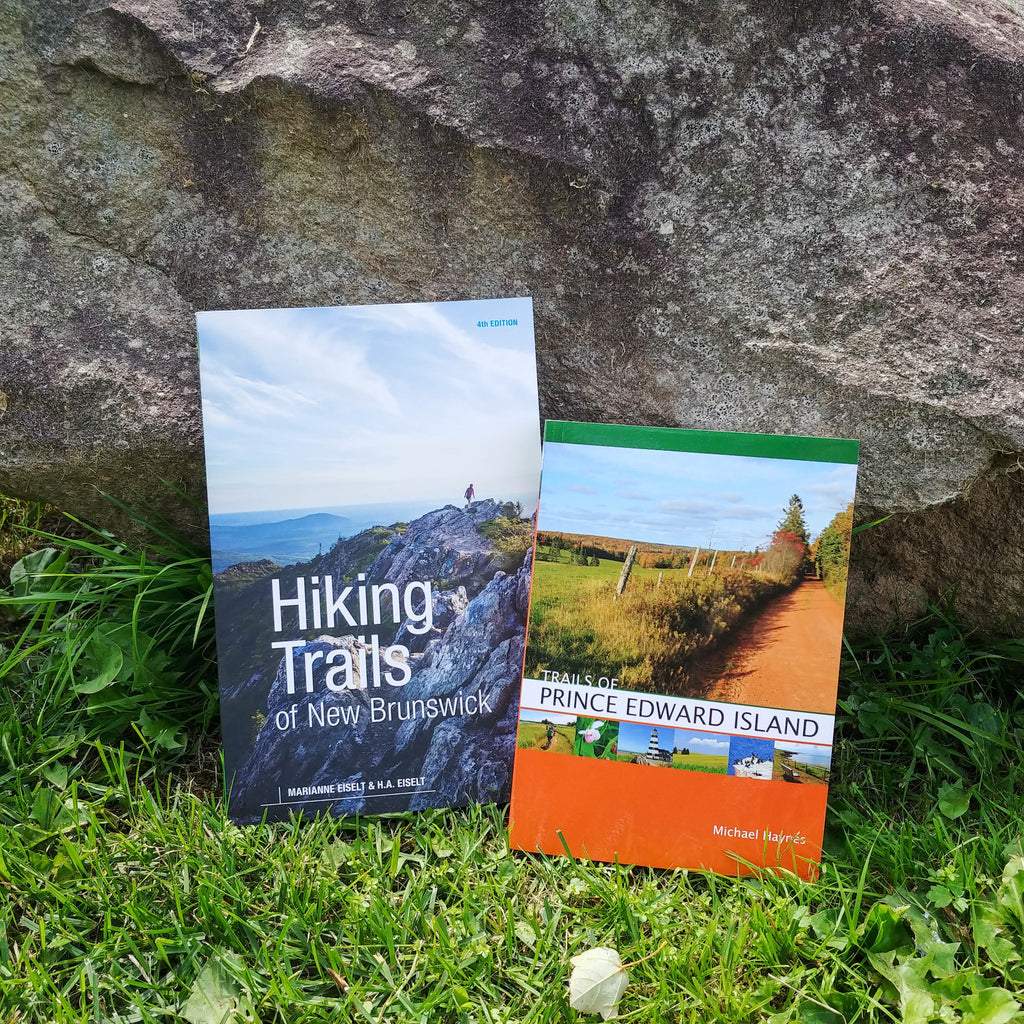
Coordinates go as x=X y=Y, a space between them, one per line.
x=663 y=818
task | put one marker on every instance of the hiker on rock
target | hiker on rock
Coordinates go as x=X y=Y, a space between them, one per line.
x=469 y=495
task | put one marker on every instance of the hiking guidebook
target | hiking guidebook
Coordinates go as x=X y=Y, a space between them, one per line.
x=682 y=654
x=372 y=475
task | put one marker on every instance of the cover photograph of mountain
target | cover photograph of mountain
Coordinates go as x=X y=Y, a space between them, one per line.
x=319 y=423
x=735 y=591
x=372 y=475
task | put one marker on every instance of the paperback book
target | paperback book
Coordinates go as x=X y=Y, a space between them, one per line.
x=682 y=655
x=372 y=475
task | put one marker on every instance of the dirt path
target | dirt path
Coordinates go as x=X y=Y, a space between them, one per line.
x=787 y=656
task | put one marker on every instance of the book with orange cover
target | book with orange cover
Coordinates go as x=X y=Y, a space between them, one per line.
x=683 y=646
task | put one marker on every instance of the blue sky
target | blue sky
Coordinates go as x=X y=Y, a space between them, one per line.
x=635 y=737
x=687 y=498
x=702 y=742
x=307 y=408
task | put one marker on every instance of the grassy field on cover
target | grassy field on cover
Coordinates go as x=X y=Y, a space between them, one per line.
x=714 y=763
x=648 y=635
x=533 y=735
x=127 y=896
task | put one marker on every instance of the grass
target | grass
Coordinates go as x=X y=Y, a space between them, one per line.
x=127 y=895
x=810 y=775
x=105 y=639
x=511 y=533
x=648 y=635
x=714 y=764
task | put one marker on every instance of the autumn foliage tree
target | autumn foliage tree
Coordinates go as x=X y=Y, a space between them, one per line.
x=832 y=550
x=793 y=521
x=786 y=556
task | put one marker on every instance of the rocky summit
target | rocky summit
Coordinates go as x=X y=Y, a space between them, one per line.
x=445 y=544
x=452 y=721
x=738 y=214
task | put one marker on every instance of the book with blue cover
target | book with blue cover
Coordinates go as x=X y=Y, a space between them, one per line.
x=372 y=475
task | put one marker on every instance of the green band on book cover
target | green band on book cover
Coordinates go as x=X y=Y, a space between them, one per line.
x=711 y=442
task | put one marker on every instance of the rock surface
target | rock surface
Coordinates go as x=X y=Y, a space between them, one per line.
x=750 y=215
x=463 y=751
x=445 y=544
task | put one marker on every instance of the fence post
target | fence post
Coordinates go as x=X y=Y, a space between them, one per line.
x=626 y=570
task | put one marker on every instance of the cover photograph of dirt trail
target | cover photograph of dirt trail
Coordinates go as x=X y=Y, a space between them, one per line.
x=699 y=574
x=546 y=730
x=788 y=646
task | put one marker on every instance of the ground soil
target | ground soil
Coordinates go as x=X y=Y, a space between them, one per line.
x=785 y=656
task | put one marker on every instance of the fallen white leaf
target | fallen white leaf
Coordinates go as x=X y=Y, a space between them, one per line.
x=216 y=997
x=597 y=982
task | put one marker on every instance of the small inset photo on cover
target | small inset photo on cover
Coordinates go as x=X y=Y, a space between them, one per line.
x=596 y=738
x=751 y=758
x=804 y=763
x=702 y=751
x=640 y=743
x=546 y=730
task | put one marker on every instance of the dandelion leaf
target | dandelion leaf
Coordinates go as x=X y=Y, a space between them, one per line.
x=990 y=1006
x=953 y=800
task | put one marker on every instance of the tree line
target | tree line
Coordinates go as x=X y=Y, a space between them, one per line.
x=579 y=553
x=788 y=556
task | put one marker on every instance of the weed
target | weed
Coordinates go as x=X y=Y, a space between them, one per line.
x=105 y=641
x=936 y=702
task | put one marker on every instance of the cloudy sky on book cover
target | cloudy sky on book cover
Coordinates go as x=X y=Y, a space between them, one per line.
x=352 y=405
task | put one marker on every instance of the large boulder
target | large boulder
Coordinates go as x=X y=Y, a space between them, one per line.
x=761 y=215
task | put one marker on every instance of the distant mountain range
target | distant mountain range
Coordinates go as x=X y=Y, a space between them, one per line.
x=289 y=536
x=285 y=542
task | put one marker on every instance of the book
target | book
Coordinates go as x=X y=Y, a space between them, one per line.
x=372 y=474
x=682 y=655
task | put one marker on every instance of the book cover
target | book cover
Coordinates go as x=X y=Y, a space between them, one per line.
x=372 y=475
x=683 y=648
